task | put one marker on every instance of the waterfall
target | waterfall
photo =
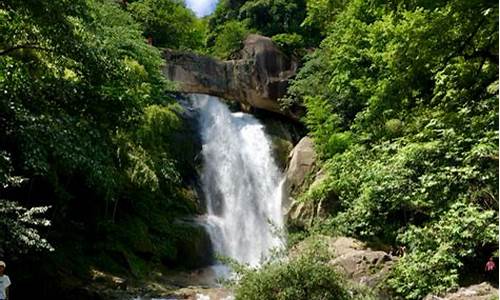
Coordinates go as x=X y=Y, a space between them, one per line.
x=241 y=183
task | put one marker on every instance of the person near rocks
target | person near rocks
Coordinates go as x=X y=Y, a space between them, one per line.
x=4 y=282
x=490 y=268
x=490 y=265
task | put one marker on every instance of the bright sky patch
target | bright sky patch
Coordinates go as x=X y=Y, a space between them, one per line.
x=202 y=7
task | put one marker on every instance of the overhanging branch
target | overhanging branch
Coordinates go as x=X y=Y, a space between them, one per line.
x=24 y=46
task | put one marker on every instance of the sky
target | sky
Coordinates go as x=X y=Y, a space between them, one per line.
x=202 y=7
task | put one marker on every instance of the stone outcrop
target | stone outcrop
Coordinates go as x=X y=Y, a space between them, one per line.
x=258 y=79
x=354 y=259
x=483 y=291
x=301 y=176
x=302 y=160
x=360 y=263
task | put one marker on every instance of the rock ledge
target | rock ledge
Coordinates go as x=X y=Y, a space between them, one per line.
x=258 y=79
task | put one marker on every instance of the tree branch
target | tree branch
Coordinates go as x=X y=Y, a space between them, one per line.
x=24 y=46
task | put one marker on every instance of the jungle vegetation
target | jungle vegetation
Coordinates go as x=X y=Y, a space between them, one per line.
x=401 y=99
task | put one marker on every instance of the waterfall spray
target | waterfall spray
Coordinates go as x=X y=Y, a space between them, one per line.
x=241 y=183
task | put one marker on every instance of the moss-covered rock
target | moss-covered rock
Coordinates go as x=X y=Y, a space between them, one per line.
x=194 y=247
x=283 y=135
x=281 y=148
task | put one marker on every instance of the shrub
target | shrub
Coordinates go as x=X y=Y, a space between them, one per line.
x=230 y=39
x=289 y=42
x=439 y=249
x=305 y=277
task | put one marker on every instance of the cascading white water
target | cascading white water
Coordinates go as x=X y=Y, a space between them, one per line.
x=241 y=183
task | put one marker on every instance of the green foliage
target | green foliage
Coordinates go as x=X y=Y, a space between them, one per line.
x=271 y=17
x=439 y=247
x=230 y=39
x=307 y=276
x=88 y=127
x=321 y=13
x=393 y=127
x=169 y=23
x=279 y=19
x=289 y=42
x=20 y=226
x=406 y=122
x=401 y=98
x=144 y=153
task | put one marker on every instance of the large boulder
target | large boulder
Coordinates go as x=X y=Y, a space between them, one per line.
x=258 y=79
x=353 y=258
x=360 y=263
x=483 y=291
x=302 y=161
x=302 y=175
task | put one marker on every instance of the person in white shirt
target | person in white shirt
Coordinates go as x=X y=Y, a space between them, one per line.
x=4 y=282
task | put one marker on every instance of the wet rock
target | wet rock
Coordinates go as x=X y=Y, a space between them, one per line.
x=108 y=279
x=281 y=147
x=483 y=291
x=194 y=284
x=196 y=293
x=283 y=135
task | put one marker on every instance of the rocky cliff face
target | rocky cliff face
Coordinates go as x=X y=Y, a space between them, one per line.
x=258 y=79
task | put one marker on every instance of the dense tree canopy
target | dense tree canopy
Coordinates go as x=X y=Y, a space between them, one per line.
x=87 y=128
x=280 y=19
x=401 y=99
x=168 y=23
x=402 y=102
